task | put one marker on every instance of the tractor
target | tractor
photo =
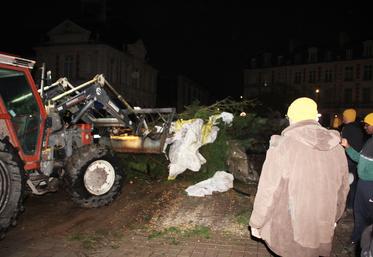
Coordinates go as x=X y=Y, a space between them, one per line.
x=59 y=134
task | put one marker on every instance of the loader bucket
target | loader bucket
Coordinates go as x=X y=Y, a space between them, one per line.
x=136 y=144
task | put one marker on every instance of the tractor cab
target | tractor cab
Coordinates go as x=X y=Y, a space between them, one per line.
x=22 y=112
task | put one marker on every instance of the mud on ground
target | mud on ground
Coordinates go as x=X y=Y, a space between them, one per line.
x=146 y=205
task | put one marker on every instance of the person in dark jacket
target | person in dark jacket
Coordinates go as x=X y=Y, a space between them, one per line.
x=366 y=242
x=363 y=206
x=354 y=134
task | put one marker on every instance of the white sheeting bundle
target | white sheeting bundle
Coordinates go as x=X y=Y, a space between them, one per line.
x=183 y=153
x=220 y=182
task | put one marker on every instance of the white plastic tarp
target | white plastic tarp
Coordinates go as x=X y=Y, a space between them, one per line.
x=183 y=153
x=220 y=182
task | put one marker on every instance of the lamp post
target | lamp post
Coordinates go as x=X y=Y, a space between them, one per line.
x=317 y=91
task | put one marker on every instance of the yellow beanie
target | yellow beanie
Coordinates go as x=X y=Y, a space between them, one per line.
x=369 y=119
x=302 y=108
x=350 y=115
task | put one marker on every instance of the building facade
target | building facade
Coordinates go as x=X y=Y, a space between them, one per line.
x=72 y=52
x=189 y=91
x=336 y=80
x=180 y=91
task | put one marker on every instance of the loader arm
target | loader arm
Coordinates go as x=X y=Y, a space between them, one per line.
x=91 y=102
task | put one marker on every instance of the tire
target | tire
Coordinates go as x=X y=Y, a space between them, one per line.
x=97 y=162
x=11 y=185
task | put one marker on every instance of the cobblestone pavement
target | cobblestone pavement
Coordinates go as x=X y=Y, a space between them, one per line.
x=138 y=244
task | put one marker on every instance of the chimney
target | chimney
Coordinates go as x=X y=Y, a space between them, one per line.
x=267 y=59
x=312 y=54
x=344 y=39
x=280 y=59
x=253 y=63
x=292 y=45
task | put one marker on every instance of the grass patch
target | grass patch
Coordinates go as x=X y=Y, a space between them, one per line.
x=174 y=234
x=198 y=231
x=156 y=234
x=87 y=241
x=96 y=239
x=243 y=217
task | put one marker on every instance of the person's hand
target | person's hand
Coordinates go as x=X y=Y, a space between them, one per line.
x=345 y=143
x=255 y=233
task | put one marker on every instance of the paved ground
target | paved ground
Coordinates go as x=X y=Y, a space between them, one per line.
x=139 y=244
x=53 y=227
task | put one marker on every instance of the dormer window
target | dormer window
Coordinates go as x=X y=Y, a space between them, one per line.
x=298 y=58
x=253 y=63
x=348 y=54
x=280 y=60
x=328 y=56
x=267 y=59
x=312 y=54
x=368 y=48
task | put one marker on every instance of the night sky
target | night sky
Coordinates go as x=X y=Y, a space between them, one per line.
x=209 y=41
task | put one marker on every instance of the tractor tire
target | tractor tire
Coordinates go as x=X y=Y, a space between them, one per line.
x=93 y=177
x=11 y=186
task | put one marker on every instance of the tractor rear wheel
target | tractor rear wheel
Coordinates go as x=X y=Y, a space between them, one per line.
x=93 y=177
x=11 y=186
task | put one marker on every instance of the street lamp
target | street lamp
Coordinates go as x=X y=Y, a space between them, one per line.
x=317 y=91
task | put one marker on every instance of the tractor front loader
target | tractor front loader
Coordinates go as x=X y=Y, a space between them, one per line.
x=65 y=133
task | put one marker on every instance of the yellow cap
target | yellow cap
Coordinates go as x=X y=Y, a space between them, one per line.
x=369 y=119
x=302 y=108
x=349 y=115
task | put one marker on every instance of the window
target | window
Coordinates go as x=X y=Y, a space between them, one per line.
x=135 y=75
x=297 y=77
x=120 y=72
x=259 y=78
x=347 y=95
x=312 y=77
x=328 y=75
x=366 y=95
x=68 y=66
x=22 y=107
x=328 y=95
x=111 y=70
x=57 y=66
x=77 y=68
x=349 y=73
x=368 y=72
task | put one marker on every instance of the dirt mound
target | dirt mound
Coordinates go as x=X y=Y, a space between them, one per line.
x=227 y=212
